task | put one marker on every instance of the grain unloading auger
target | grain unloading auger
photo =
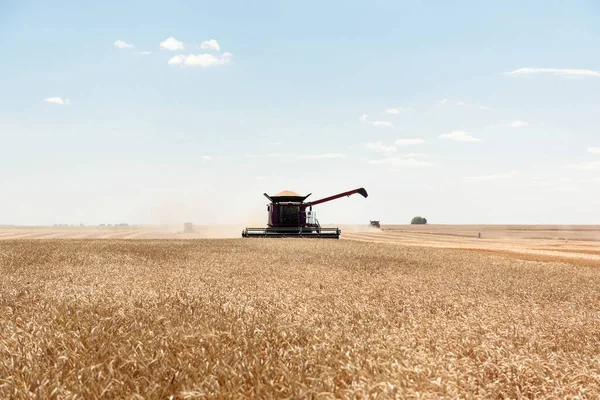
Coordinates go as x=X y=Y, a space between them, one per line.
x=290 y=216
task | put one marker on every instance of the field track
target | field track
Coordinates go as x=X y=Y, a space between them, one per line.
x=576 y=244
x=573 y=244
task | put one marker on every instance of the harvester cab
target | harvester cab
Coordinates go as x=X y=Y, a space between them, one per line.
x=290 y=216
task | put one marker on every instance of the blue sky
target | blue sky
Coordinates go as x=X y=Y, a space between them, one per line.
x=464 y=112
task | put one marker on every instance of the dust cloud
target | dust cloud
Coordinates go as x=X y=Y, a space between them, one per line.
x=359 y=228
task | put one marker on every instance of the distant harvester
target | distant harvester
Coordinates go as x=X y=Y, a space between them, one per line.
x=375 y=224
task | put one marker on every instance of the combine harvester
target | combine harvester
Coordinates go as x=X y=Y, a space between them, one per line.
x=290 y=216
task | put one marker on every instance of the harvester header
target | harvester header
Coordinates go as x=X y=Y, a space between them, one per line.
x=290 y=216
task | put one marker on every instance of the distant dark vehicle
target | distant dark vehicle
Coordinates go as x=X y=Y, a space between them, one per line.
x=375 y=224
x=418 y=221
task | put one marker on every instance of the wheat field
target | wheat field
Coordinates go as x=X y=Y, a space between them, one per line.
x=264 y=318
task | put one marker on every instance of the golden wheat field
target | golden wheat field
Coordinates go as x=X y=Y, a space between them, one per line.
x=293 y=318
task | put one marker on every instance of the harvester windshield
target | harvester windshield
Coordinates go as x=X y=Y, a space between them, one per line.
x=289 y=214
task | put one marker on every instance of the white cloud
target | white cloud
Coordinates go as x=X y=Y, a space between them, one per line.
x=493 y=177
x=409 y=142
x=378 y=124
x=595 y=150
x=460 y=136
x=444 y=101
x=121 y=44
x=586 y=166
x=175 y=60
x=382 y=124
x=261 y=178
x=402 y=162
x=398 y=110
x=517 y=124
x=171 y=44
x=143 y=53
x=380 y=147
x=554 y=71
x=57 y=100
x=201 y=60
x=206 y=158
x=210 y=45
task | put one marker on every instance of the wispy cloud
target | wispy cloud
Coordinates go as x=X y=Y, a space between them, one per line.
x=206 y=157
x=409 y=142
x=379 y=147
x=261 y=178
x=398 y=110
x=586 y=166
x=121 y=44
x=200 y=60
x=379 y=124
x=463 y=104
x=57 y=100
x=318 y=156
x=460 y=136
x=382 y=124
x=416 y=155
x=481 y=107
x=297 y=157
x=403 y=162
x=171 y=44
x=517 y=124
x=538 y=182
x=492 y=177
x=554 y=71
x=210 y=45
x=595 y=150
x=143 y=53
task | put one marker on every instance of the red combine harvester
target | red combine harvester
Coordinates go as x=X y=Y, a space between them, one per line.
x=290 y=216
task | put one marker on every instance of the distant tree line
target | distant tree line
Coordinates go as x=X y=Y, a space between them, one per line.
x=418 y=221
x=123 y=224
x=60 y=225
